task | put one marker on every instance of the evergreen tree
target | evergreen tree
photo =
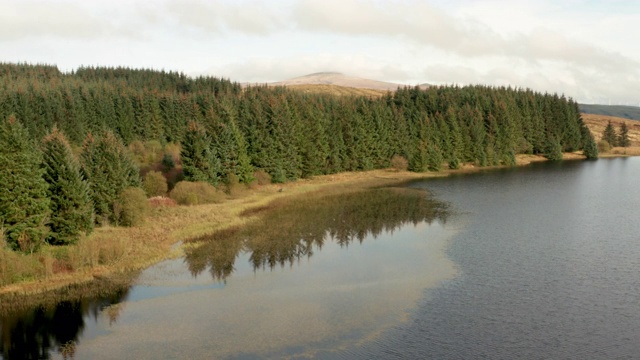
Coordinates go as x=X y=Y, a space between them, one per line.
x=230 y=147
x=554 y=149
x=589 y=145
x=108 y=167
x=609 y=135
x=198 y=160
x=24 y=206
x=623 y=137
x=71 y=206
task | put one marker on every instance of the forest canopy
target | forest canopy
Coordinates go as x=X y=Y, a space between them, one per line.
x=228 y=132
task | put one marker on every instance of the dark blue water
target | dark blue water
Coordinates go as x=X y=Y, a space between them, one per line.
x=549 y=264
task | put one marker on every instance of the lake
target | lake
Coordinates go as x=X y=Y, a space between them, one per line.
x=532 y=262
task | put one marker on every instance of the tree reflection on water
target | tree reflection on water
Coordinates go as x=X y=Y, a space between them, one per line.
x=282 y=233
x=290 y=230
x=34 y=334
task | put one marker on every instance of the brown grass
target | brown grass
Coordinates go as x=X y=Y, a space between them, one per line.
x=597 y=123
x=337 y=90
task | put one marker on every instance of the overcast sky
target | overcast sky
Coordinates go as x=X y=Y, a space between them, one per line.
x=587 y=49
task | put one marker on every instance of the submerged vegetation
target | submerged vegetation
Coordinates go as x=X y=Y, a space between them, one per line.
x=75 y=148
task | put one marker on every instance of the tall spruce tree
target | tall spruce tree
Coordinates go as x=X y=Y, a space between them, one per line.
x=71 y=206
x=230 y=146
x=589 y=146
x=109 y=169
x=609 y=135
x=623 y=136
x=198 y=160
x=24 y=205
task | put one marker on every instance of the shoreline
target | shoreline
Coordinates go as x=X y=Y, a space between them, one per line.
x=138 y=248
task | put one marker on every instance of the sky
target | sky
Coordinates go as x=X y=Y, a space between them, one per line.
x=585 y=49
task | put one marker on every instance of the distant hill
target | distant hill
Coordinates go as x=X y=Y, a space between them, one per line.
x=337 y=90
x=338 y=79
x=627 y=112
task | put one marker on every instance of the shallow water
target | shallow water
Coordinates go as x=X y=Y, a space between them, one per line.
x=329 y=276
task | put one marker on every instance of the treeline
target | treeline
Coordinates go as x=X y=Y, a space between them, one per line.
x=228 y=133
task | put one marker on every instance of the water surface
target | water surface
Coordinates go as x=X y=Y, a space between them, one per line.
x=548 y=261
x=313 y=276
x=539 y=262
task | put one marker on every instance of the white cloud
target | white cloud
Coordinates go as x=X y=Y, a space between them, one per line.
x=25 y=20
x=581 y=47
x=254 y=18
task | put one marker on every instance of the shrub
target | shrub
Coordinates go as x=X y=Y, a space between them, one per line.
x=399 y=163
x=194 y=193
x=131 y=207
x=454 y=163
x=161 y=201
x=154 y=184
x=262 y=177
x=147 y=153
x=173 y=150
x=278 y=176
x=168 y=162
x=603 y=146
x=232 y=183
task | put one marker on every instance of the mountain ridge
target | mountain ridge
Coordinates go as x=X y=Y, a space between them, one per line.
x=340 y=79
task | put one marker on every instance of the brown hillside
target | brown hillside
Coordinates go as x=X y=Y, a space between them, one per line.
x=334 y=78
x=597 y=123
x=337 y=90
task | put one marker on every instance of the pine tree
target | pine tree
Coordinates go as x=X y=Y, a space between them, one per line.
x=553 y=149
x=609 y=135
x=198 y=160
x=230 y=146
x=589 y=146
x=24 y=206
x=623 y=137
x=71 y=206
x=108 y=167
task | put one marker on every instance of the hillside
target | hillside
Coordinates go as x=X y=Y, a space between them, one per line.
x=597 y=123
x=338 y=79
x=627 y=112
x=337 y=90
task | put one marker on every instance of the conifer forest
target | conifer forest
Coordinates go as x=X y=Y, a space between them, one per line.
x=66 y=139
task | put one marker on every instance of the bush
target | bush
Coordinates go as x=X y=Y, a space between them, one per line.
x=399 y=163
x=154 y=184
x=168 y=162
x=161 y=201
x=146 y=154
x=603 y=146
x=262 y=177
x=132 y=207
x=232 y=184
x=173 y=150
x=194 y=193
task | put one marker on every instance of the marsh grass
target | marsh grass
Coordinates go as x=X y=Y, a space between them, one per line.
x=196 y=193
x=114 y=288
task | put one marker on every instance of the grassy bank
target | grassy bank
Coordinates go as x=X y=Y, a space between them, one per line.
x=111 y=252
x=114 y=250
